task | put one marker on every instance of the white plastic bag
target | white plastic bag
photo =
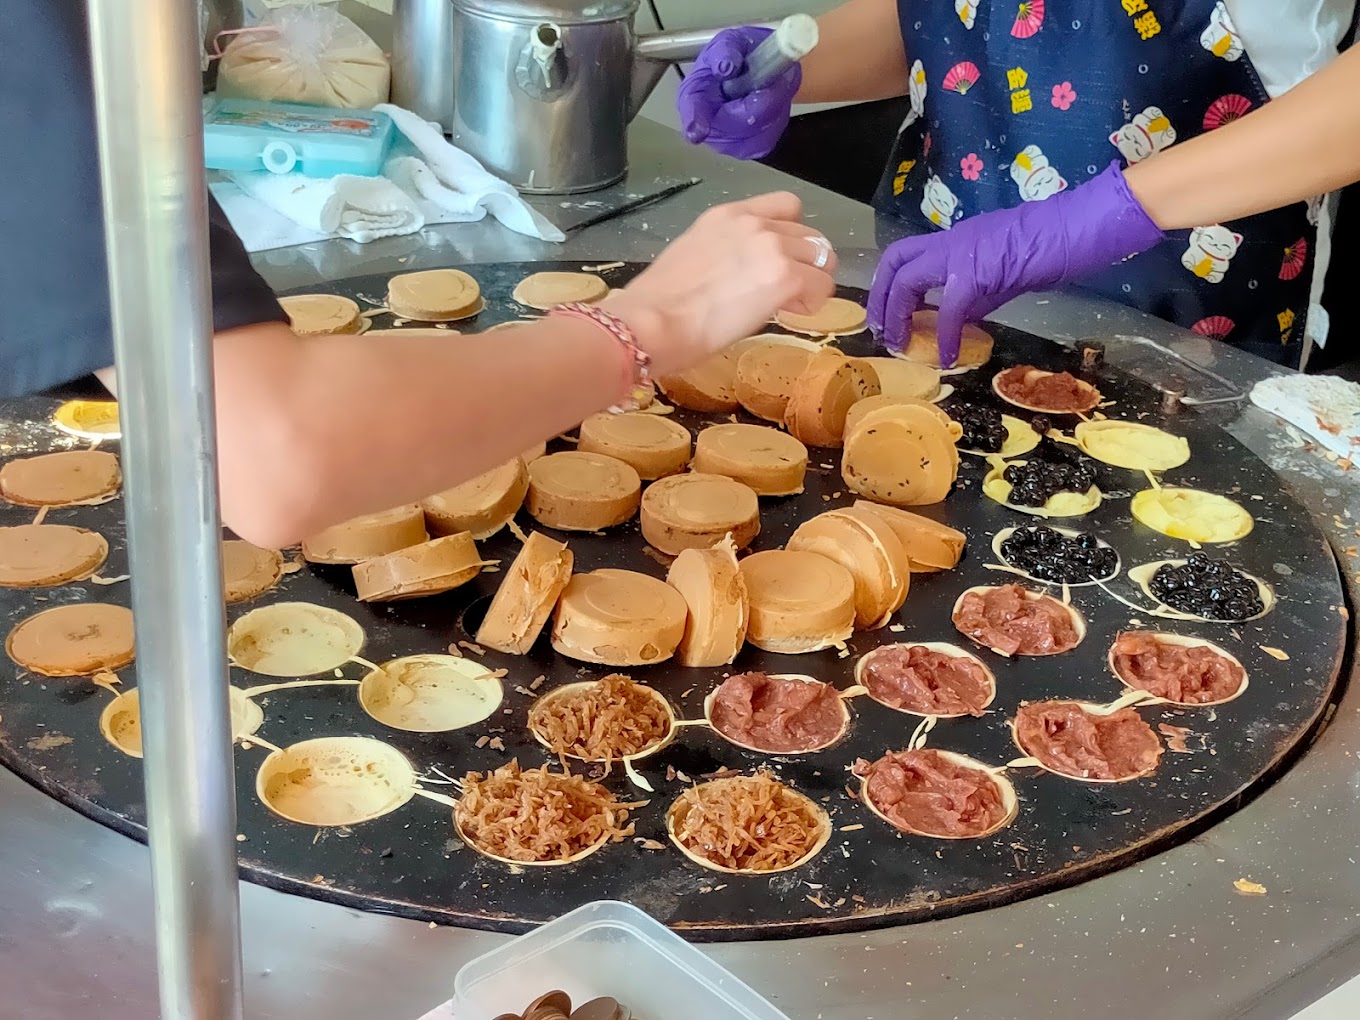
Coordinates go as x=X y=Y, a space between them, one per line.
x=306 y=54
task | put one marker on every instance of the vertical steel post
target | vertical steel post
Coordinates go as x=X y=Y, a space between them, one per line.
x=148 y=91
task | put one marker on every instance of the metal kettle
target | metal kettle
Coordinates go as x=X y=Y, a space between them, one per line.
x=544 y=90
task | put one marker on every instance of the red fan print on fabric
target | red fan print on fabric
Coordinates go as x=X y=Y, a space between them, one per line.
x=962 y=77
x=1294 y=258
x=1029 y=19
x=1225 y=110
x=1215 y=327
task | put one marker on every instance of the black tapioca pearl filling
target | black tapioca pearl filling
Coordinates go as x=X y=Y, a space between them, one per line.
x=1213 y=589
x=1036 y=481
x=983 y=429
x=1051 y=556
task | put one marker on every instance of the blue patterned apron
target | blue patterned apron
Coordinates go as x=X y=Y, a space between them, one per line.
x=1014 y=102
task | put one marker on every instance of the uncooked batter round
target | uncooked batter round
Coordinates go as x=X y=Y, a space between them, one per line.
x=293 y=639
x=322 y=314
x=248 y=570
x=430 y=693
x=41 y=555
x=74 y=640
x=60 y=479
x=547 y=290
x=1192 y=515
x=435 y=295
x=89 y=419
x=1132 y=445
x=335 y=781
x=121 y=720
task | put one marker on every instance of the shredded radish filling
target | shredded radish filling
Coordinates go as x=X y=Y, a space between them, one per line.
x=613 y=718
x=535 y=815
x=747 y=823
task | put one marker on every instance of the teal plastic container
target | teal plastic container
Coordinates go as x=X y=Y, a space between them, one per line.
x=319 y=141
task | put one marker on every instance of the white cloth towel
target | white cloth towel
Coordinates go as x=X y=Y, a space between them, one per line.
x=425 y=180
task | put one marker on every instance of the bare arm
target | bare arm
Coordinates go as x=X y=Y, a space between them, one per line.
x=859 y=57
x=313 y=431
x=1241 y=169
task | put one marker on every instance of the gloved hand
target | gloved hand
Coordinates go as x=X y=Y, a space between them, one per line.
x=745 y=128
x=984 y=261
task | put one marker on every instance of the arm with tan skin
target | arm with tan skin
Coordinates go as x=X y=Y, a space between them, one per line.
x=312 y=431
x=859 y=55
x=1224 y=175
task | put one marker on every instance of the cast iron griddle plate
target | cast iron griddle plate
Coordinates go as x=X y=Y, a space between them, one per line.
x=410 y=863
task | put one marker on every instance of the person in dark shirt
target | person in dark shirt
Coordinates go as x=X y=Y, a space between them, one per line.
x=315 y=431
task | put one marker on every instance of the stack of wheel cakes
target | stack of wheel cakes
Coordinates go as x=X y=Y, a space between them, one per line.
x=781 y=517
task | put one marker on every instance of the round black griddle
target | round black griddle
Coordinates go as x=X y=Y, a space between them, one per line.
x=410 y=862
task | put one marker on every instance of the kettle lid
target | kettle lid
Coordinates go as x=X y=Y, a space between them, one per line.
x=567 y=12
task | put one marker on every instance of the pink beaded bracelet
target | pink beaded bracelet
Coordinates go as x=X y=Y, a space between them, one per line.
x=638 y=364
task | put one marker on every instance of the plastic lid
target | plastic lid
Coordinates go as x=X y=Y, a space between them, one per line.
x=279 y=157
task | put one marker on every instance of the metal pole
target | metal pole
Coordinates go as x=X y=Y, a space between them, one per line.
x=148 y=91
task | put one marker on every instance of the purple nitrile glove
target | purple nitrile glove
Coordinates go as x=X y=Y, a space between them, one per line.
x=745 y=128
x=984 y=261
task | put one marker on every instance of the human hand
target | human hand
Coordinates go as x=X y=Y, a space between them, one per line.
x=724 y=278
x=984 y=261
x=745 y=128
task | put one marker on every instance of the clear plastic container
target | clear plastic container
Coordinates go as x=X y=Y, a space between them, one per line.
x=606 y=948
x=317 y=141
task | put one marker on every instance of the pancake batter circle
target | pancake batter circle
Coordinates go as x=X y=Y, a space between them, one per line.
x=60 y=479
x=89 y=419
x=1192 y=515
x=42 y=555
x=248 y=570
x=430 y=693
x=923 y=344
x=331 y=781
x=121 y=721
x=547 y=290
x=1005 y=810
x=74 y=640
x=1132 y=445
x=293 y=639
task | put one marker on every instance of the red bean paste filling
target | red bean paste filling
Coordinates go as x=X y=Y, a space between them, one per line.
x=1059 y=392
x=1072 y=741
x=773 y=714
x=924 y=791
x=921 y=680
x=1189 y=674
x=1005 y=619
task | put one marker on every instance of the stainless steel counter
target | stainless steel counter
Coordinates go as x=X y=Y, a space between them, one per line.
x=1170 y=936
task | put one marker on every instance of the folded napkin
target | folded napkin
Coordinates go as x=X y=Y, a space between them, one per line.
x=425 y=180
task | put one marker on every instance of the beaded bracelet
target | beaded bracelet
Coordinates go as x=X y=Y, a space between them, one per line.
x=638 y=366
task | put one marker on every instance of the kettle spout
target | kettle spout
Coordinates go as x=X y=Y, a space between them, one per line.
x=653 y=55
